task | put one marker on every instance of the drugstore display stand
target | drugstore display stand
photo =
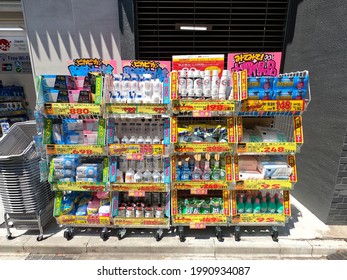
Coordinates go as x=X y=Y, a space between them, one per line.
x=70 y=117
x=201 y=168
x=139 y=150
x=270 y=133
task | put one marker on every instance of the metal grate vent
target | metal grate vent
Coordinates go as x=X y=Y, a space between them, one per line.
x=231 y=26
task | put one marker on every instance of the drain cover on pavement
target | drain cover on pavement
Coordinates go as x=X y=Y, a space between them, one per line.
x=339 y=255
x=50 y=257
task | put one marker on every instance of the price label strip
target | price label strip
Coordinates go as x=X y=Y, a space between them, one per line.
x=72 y=109
x=269 y=148
x=214 y=185
x=157 y=109
x=146 y=187
x=272 y=106
x=75 y=150
x=203 y=147
x=66 y=219
x=259 y=218
x=143 y=149
x=197 y=218
x=137 y=193
x=200 y=107
x=140 y=221
x=79 y=186
x=121 y=108
x=264 y=185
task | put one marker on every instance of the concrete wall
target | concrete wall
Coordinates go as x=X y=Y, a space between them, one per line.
x=317 y=42
x=62 y=30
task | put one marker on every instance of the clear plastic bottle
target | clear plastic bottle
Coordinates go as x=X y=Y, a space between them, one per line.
x=125 y=140
x=129 y=176
x=148 y=140
x=249 y=205
x=140 y=140
x=207 y=170
x=147 y=177
x=186 y=173
x=156 y=140
x=156 y=176
x=138 y=177
x=196 y=174
x=157 y=94
x=132 y=140
x=119 y=176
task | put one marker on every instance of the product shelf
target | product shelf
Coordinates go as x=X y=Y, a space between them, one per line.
x=260 y=219
x=288 y=127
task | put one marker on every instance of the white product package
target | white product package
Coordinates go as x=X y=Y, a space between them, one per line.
x=249 y=135
x=274 y=167
x=268 y=134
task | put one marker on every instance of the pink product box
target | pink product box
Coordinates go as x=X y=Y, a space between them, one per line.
x=248 y=163
x=90 y=137
x=90 y=125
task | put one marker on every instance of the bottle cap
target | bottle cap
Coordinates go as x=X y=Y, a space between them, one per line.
x=197 y=73
x=183 y=72
x=257 y=200
x=190 y=73
x=207 y=72
x=272 y=199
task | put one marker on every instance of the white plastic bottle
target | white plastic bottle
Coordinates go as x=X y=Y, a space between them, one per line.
x=156 y=97
x=125 y=140
x=119 y=176
x=223 y=85
x=156 y=176
x=116 y=89
x=156 y=140
x=148 y=90
x=138 y=177
x=190 y=84
x=129 y=176
x=126 y=89
x=214 y=85
x=132 y=140
x=182 y=84
x=148 y=140
x=197 y=84
x=206 y=88
x=140 y=140
x=134 y=84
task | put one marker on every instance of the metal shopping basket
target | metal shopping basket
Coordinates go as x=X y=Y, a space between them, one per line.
x=28 y=203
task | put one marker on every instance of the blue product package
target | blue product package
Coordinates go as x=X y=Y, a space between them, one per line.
x=72 y=125
x=110 y=131
x=82 y=210
x=166 y=131
x=167 y=172
x=68 y=206
x=260 y=88
x=300 y=83
x=113 y=169
x=66 y=161
x=64 y=173
x=282 y=83
x=67 y=180
x=89 y=170
x=166 y=91
x=115 y=203
x=72 y=137
x=289 y=94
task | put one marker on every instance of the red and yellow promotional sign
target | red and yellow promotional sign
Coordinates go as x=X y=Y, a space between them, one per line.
x=226 y=202
x=291 y=162
x=146 y=187
x=243 y=85
x=174 y=85
x=229 y=168
x=231 y=130
x=264 y=185
x=137 y=193
x=235 y=86
x=200 y=218
x=267 y=147
x=236 y=168
x=144 y=149
x=203 y=106
x=199 y=191
x=174 y=130
x=66 y=219
x=150 y=109
x=72 y=109
x=75 y=149
x=239 y=129
x=259 y=218
x=197 y=225
x=140 y=221
x=273 y=106
x=286 y=204
x=204 y=147
x=79 y=186
x=298 y=132
x=212 y=185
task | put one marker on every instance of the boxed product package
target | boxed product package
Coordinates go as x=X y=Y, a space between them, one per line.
x=90 y=137
x=64 y=173
x=72 y=125
x=66 y=161
x=249 y=135
x=250 y=175
x=274 y=167
x=248 y=163
x=90 y=170
x=74 y=137
x=268 y=134
x=260 y=88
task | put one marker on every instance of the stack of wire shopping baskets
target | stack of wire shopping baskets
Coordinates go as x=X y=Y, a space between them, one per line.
x=28 y=203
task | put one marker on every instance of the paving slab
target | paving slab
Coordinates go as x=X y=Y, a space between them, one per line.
x=57 y=245
x=327 y=247
x=15 y=245
x=129 y=245
x=289 y=248
x=13 y=256
x=174 y=246
x=250 y=247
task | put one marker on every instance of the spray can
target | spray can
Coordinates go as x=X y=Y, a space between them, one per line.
x=147 y=88
x=197 y=84
x=206 y=89
x=223 y=85
x=190 y=84
x=214 y=85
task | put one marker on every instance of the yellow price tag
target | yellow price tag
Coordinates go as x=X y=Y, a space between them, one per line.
x=137 y=193
x=199 y=191
x=81 y=220
x=268 y=148
x=203 y=147
x=156 y=109
x=75 y=149
x=197 y=225
x=120 y=108
x=264 y=185
x=104 y=220
x=72 y=109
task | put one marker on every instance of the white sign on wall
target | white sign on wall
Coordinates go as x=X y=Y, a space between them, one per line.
x=11 y=44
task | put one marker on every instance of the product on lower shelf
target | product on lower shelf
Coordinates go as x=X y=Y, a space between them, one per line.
x=256 y=202
x=197 y=205
x=263 y=134
x=263 y=167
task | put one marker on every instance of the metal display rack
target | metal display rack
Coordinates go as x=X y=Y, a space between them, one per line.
x=28 y=203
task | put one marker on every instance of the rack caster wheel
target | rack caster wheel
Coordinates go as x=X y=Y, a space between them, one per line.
x=237 y=235
x=104 y=235
x=68 y=234
x=158 y=235
x=39 y=238
x=9 y=237
x=181 y=234
x=121 y=234
x=274 y=236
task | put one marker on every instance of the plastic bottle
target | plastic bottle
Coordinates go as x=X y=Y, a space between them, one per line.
x=190 y=84
x=162 y=177
x=138 y=177
x=240 y=206
x=140 y=140
x=207 y=170
x=214 y=85
x=249 y=205
x=132 y=140
x=268 y=197
x=123 y=163
x=191 y=163
x=147 y=88
x=222 y=168
x=148 y=140
x=156 y=176
x=197 y=84
x=256 y=206
x=126 y=97
x=116 y=140
x=134 y=86
x=125 y=140
x=129 y=176
x=119 y=176
x=149 y=162
x=276 y=198
x=279 y=206
x=156 y=98
x=206 y=89
x=147 y=176
x=186 y=173
x=223 y=85
x=216 y=170
x=156 y=140
x=116 y=89
x=182 y=84
x=272 y=206
x=263 y=205
x=178 y=171
x=196 y=174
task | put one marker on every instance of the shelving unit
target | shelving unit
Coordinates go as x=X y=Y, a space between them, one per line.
x=278 y=116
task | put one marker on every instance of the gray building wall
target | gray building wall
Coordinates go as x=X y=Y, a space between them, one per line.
x=317 y=42
x=62 y=30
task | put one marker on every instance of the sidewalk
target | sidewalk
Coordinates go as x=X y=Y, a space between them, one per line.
x=303 y=237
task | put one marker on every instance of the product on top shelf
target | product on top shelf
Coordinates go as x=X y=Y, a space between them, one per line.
x=263 y=134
